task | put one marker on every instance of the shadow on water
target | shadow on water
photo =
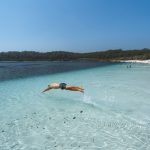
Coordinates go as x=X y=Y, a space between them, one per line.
x=14 y=70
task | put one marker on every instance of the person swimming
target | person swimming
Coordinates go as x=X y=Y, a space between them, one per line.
x=63 y=86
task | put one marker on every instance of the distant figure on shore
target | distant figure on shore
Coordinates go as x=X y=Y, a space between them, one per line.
x=63 y=86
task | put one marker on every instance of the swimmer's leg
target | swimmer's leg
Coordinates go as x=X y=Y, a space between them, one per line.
x=74 y=88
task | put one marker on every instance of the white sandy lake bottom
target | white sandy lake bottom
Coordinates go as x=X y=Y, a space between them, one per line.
x=112 y=114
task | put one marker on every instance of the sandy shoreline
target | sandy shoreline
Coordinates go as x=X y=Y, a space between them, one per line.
x=137 y=61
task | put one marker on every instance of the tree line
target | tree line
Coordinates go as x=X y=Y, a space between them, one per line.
x=109 y=55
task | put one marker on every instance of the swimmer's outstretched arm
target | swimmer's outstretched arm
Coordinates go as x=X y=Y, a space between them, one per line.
x=47 y=89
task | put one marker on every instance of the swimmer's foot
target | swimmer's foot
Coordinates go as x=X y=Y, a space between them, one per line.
x=82 y=91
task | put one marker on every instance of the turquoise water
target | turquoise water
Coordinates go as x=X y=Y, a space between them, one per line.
x=113 y=113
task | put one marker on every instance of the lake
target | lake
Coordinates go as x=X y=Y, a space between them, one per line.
x=113 y=113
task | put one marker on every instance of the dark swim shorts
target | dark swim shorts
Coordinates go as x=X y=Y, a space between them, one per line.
x=62 y=85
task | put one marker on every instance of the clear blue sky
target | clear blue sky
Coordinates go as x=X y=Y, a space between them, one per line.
x=74 y=25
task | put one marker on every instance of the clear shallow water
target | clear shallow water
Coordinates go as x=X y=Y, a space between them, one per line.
x=112 y=114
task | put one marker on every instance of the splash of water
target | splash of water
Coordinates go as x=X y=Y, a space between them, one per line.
x=88 y=100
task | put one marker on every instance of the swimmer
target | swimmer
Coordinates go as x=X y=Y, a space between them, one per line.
x=63 y=86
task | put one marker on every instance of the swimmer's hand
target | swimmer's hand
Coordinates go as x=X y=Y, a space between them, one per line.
x=47 y=89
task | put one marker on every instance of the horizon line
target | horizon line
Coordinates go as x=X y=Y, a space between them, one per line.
x=72 y=51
